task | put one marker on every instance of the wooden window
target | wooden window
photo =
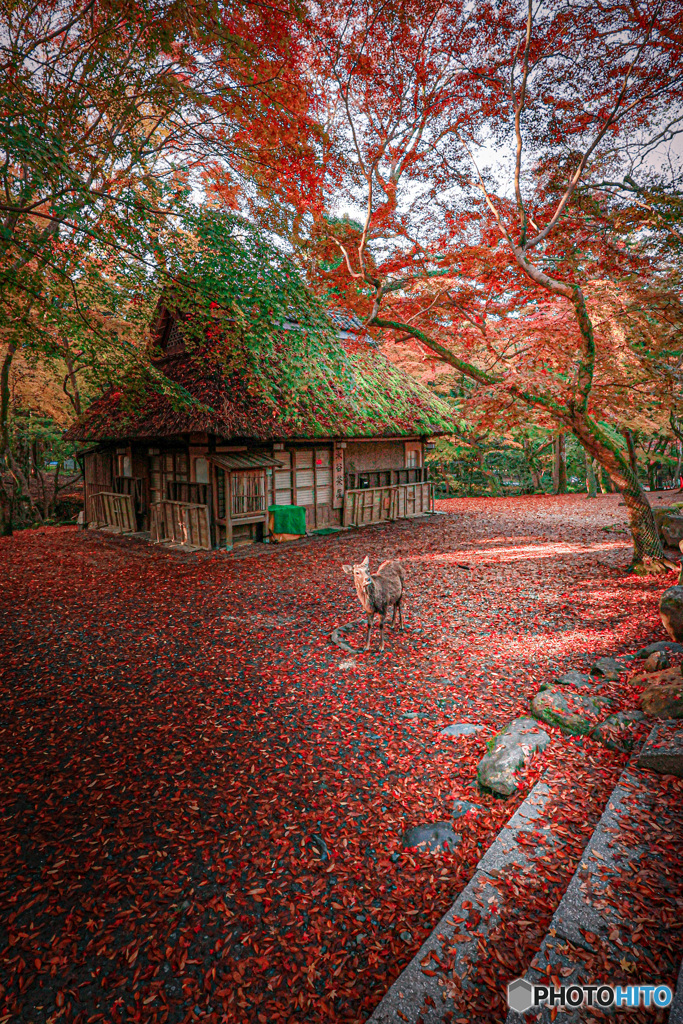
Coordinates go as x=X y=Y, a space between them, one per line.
x=201 y=471
x=124 y=464
x=248 y=492
x=282 y=479
x=155 y=482
x=413 y=455
x=171 y=467
x=323 y=476
x=305 y=480
x=172 y=339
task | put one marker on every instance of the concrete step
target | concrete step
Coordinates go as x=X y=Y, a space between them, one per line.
x=417 y=996
x=585 y=921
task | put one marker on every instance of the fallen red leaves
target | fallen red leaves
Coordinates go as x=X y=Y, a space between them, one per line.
x=203 y=810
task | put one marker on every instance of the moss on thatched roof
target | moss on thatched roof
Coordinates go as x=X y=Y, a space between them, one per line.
x=361 y=394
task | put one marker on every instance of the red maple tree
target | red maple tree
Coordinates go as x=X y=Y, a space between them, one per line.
x=459 y=203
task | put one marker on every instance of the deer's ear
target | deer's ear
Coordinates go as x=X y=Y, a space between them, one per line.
x=366 y=562
x=347 y=568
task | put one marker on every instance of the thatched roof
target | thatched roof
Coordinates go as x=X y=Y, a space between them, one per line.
x=196 y=393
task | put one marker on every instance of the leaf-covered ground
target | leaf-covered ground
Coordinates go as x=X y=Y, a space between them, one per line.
x=204 y=798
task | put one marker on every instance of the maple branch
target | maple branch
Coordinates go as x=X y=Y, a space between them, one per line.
x=351 y=271
x=518 y=107
x=575 y=178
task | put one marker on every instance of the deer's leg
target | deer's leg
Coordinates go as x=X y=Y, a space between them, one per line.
x=400 y=616
x=383 y=619
x=367 y=635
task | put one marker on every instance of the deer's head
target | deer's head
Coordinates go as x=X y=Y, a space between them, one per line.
x=360 y=573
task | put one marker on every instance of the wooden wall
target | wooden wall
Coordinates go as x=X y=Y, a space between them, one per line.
x=363 y=456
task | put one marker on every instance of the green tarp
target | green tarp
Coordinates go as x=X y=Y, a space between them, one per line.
x=288 y=519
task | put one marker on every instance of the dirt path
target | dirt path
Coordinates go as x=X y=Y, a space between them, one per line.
x=205 y=797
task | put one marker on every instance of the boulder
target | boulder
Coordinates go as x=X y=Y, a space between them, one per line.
x=579 y=680
x=574 y=713
x=438 y=835
x=656 y=661
x=507 y=752
x=609 y=668
x=617 y=731
x=663 y=751
x=461 y=729
x=672 y=530
x=665 y=677
x=671 y=611
x=663 y=701
x=660 y=645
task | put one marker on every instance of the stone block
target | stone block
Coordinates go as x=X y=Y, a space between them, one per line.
x=663 y=751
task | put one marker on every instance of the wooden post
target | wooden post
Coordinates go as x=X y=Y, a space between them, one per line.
x=228 y=510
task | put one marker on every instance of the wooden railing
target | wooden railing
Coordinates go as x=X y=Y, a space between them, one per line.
x=380 y=504
x=384 y=478
x=180 y=522
x=112 y=511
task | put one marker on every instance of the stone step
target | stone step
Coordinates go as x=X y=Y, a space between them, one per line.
x=584 y=909
x=663 y=751
x=418 y=996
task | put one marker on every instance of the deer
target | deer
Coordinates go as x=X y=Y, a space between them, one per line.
x=378 y=593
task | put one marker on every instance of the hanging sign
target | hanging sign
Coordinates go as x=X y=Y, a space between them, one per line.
x=338 y=478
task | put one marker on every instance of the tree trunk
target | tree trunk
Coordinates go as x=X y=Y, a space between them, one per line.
x=531 y=460
x=560 y=465
x=647 y=546
x=591 y=483
x=605 y=481
x=6 y=499
x=631 y=449
x=490 y=476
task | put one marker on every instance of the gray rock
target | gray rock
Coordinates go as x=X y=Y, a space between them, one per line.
x=434 y=836
x=663 y=751
x=660 y=645
x=656 y=661
x=463 y=807
x=671 y=612
x=608 y=668
x=461 y=729
x=671 y=529
x=508 y=751
x=617 y=731
x=406 y=936
x=577 y=679
x=574 y=713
